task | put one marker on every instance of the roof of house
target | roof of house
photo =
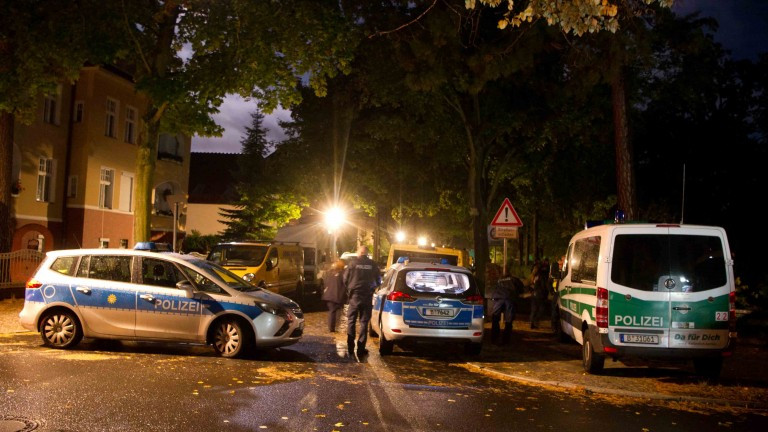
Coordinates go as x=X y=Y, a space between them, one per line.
x=211 y=178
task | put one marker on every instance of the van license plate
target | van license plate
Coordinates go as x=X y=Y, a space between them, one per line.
x=639 y=339
x=439 y=312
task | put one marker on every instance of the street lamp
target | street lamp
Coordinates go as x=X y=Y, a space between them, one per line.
x=422 y=241
x=334 y=218
x=400 y=236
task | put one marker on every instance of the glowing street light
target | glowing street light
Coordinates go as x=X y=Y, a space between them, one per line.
x=400 y=236
x=422 y=241
x=334 y=218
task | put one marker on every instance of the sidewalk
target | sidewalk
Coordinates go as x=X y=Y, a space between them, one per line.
x=536 y=357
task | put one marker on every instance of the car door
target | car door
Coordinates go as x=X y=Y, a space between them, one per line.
x=163 y=311
x=104 y=295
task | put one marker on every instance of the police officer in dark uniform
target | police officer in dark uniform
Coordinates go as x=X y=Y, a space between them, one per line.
x=504 y=294
x=361 y=278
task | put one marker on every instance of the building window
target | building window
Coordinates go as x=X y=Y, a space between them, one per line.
x=126 y=192
x=106 y=185
x=123 y=243
x=79 y=108
x=52 y=103
x=72 y=186
x=45 y=176
x=130 y=125
x=104 y=244
x=169 y=148
x=111 y=119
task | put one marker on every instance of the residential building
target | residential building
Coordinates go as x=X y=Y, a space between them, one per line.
x=76 y=168
x=210 y=194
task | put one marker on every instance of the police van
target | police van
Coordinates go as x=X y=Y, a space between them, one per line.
x=649 y=291
x=276 y=266
x=142 y=295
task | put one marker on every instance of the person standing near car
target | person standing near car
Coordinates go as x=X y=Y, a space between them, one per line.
x=334 y=293
x=361 y=279
x=504 y=294
x=539 y=291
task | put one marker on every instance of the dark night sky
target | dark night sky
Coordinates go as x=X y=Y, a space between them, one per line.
x=743 y=24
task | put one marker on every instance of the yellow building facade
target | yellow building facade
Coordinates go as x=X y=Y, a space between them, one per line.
x=76 y=168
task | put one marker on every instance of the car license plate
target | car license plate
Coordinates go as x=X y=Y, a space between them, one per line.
x=439 y=312
x=639 y=339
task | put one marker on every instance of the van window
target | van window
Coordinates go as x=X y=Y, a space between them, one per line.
x=584 y=258
x=309 y=256
x=661 y=262
x=242 y=255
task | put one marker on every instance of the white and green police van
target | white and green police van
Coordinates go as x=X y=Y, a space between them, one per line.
x=649 y=291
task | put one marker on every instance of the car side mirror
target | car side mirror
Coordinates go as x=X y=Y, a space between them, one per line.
x=186 y=285
x=269 y=265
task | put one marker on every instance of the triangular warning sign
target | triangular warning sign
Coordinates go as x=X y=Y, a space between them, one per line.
x=506 y=216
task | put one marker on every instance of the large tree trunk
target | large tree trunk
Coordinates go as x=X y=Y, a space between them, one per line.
x=6 y=180
x=479 y=214
x=146 y=159
x=625 y=173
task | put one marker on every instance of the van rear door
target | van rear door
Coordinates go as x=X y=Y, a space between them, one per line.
x=699 y=288
x=669 y=287
x=639 y=305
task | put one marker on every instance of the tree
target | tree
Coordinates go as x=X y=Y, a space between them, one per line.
x=589 y=16
x=188 y=55
x=263 y=204
x=43 y=43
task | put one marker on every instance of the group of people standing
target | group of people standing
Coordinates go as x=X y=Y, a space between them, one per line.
x=352 y=284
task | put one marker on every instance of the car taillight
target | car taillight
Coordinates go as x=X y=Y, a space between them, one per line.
x=473 y=300
x=400 y=296
x=732 y=312
x=601 y=308
x=34 y=283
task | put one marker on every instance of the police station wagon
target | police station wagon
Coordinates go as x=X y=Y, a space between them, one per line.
x=139 y=295
x=420 y=301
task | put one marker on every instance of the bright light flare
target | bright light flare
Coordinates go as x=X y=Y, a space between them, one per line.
x=400 y=236
x=422 y=241
x=334 y=218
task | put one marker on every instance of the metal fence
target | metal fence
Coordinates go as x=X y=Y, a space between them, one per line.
x=18 y=266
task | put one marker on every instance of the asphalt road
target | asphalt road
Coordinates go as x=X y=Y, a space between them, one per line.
x=314 y=385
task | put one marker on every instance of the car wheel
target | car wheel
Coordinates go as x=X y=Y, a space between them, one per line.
x=593 y=362
x=708 y=367
x=472 y=348
x=60 y=329
x=385 y=346
x=230 y=338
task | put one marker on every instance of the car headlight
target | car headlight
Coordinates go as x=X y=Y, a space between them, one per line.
x=274 y=310
x=248 y=276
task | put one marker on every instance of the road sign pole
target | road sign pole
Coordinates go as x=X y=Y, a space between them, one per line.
x=504 y=264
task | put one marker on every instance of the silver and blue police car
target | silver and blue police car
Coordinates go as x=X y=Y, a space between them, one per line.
x=141 y=295
x=420 y=301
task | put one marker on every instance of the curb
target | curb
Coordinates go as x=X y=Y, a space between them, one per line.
x=625 y=393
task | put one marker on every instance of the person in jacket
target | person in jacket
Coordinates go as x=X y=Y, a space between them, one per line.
x=504 y=294
x=334 y=293
x=361 y=278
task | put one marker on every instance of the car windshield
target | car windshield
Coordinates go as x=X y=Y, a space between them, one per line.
x=440 y=282
x=225 y=276
x=250 y=255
